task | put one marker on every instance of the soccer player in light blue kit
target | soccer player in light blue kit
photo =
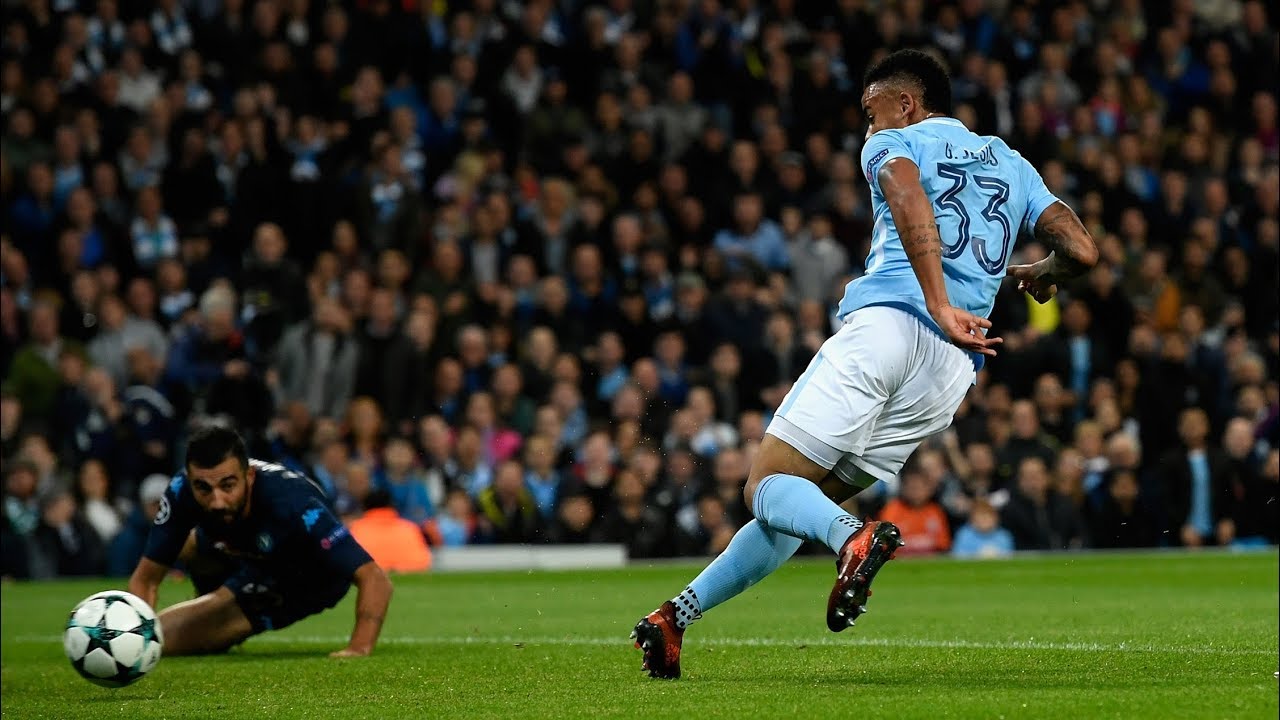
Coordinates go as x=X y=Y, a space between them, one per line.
x=949 y=205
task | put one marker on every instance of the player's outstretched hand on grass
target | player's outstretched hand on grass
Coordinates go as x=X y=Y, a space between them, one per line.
x=1035 y=280
x=966 y=330
x=349 y=652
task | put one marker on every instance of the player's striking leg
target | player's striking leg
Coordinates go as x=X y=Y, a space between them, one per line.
x=760 y=547
x=791 y=503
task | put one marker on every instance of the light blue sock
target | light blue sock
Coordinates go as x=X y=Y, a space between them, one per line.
x=755 y=551
x=797 y=507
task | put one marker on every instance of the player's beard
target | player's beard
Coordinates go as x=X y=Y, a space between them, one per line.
x=226 y=517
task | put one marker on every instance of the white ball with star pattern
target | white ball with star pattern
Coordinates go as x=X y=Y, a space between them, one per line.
x=113 y=638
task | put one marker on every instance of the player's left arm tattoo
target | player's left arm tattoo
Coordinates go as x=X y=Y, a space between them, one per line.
x=921 y=240
x=917 y=227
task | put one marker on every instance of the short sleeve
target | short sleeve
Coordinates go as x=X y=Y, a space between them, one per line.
x=1039 y=198
x=173 y=523
x=879 y=149
x=332 y=541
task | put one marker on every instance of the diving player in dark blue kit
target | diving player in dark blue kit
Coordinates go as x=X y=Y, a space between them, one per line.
x=284 y=554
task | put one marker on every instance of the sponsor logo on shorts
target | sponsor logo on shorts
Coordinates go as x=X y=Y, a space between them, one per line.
x=265 y=542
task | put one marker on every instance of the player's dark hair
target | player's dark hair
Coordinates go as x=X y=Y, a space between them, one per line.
x=212 y=444
x=918 y=68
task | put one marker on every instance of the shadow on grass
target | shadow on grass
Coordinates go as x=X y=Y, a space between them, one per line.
x=301 y=651
x=961 y=679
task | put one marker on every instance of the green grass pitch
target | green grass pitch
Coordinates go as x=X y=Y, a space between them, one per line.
x=1165 y=635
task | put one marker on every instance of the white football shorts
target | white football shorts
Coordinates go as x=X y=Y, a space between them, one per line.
x=875 y=390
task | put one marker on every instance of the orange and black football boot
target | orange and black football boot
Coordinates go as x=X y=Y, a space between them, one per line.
x=659 y=637
x=859 y=560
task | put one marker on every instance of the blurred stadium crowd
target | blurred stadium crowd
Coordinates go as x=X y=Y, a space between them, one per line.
x=541 y=271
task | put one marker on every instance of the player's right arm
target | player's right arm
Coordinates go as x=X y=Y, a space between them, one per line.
x=899 y=182
x=169 y=534
x=145 y=581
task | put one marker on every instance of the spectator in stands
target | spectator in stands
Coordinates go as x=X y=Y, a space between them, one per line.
x=737 y=316
x=1037 y=516
x=920 y=518
x=401 y=475
x=65 y=543
x=710 y=435
x=753 y=241
x=515 y=409
x=318 y=361
x=1121 y=521
x=498 y=443
x=330 y=469
x=610 y=371
x=211 y=361
x=457 y=523
x=1199 y=485
x=566 y=399
x=128 y=545
x=50 y=472
x=375 y=337
x=982 y=535
x=1268 y=513
x=394 y=543
x=21 y=505
x=15 y=555
x=1249 y=489
x=350 y=500
x=33 y=375
x=118 y=334
x=508 y=512
x=290 y=438
x=574 y=521
x=632 y=522
x=1028 y=439
x=151 y=417
x=11 y=424
x=275 y=292
x=407 y=375
x=366 y=431
x=153 y=233
x=541 y=477
x=93 y=494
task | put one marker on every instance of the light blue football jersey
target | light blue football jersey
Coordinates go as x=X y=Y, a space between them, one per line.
x=983 y=194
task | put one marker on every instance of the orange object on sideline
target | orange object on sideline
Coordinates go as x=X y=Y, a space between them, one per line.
x=394 y=543
x=923 y=527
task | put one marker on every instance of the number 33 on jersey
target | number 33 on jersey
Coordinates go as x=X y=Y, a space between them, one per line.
x=983 y=193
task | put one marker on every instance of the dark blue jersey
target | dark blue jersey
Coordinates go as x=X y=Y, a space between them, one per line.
x=290 y=533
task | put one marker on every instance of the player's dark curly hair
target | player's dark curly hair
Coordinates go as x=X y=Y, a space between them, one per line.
x=917 y=68
x=212 y=444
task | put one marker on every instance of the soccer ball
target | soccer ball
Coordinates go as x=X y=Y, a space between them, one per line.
x=113 y=638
